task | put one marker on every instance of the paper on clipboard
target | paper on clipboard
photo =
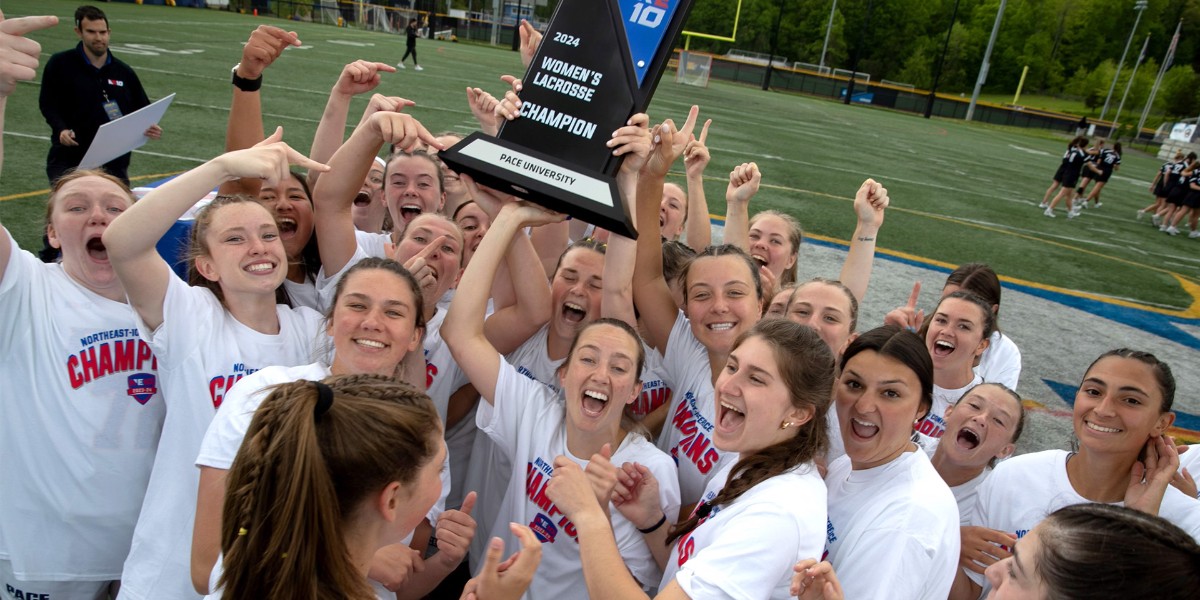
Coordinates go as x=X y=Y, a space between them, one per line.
x=124 y=135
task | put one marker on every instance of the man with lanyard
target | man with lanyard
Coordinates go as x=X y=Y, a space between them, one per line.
x=82 y=89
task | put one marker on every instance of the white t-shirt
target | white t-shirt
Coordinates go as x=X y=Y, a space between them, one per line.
x=304 y=294
x=656 y=388
x=965 y=495
x=487 y=473
x=81 y=418
x=746 y=550
x=202 y=352
x=933 y=426
x=893 y=529
x=1025 y=489
x=529 y=428
x=1001 y=361
x=837 y=446
x=1189 y=460
x=377 y=245
x=229 y=427
x=689 y=425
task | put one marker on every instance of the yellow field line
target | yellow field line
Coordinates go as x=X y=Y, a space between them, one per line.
x=46 y=191
x=1189 y=285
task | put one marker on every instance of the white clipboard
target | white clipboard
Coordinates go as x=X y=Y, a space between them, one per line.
x=124 y=134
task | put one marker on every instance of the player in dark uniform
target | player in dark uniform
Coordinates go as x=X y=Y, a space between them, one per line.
x=1176 y=193
x=1187 y=193
x=1108 y=161
x=1166 y=176
x=410 y=33
x=1068 y=175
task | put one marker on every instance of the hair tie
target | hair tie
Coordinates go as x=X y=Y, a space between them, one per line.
x=703 y=510
x=324 y=399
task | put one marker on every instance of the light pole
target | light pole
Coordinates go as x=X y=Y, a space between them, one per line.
x=1116 y=128
x=828 y=32
x=987 y=56
x=1139 y=7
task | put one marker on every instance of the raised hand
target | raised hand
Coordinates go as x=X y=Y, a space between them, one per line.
x=530 y=40
x=870 y=203
x=267 y=160
x=19 y=54
x=483 y=107
x=510 y=107
x=403 y=131
x=695 y=153
x=381 y=103
x=633 y=142
x=360 y=77
x=265 y=45
x=510 y=579
x=422 y=271
x=744 y=181
x=907 y=316
x=455 y=530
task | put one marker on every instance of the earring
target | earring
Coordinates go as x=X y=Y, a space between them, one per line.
x=786 y=424
x=916 y=423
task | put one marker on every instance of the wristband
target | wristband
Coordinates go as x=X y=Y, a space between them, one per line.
x=653 y=528
x=246 y=85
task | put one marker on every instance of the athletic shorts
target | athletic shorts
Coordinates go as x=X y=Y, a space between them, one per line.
x=1160 y=190
x=11 y=589
x=1177 y=194
x=1101 y=177
x=1192 y=200
x=1070 y=178
x=1058 y=175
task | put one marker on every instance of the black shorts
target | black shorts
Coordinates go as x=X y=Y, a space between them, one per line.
x=1070 y=178
x=1192 y=199
x=1058 y=175
x=1101 y=177
x=1177 y=193
x=1160 y=190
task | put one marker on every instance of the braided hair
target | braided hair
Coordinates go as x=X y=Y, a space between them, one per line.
x=805 y=365
x=306 y=465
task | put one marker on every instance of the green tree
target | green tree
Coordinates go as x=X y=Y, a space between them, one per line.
x=1178 y=93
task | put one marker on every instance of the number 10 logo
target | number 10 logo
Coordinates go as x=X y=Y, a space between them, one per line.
x=650 y=13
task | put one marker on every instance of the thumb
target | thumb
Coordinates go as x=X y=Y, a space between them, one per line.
x=468 y=504
x=606 y=451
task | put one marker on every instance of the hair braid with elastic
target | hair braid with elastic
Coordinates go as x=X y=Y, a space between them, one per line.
x=298 y=481
x=805 y=365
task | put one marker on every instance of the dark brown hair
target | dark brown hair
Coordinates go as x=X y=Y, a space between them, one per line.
x=805 y=365
x=299 y=477
x=980 y=279
x=382 y=264
x=989 y=318
x=1162 y=372
x=900 y=345
x=1102 y=552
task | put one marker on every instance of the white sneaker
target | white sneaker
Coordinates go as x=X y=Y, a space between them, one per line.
x=419 y=68
x=1071 y=214
x=1157 y=220
x=1194 y=234
x=1049 y=212
x=1172 y=231
x=400 y=65
x=1080 y=204
x=1098 y=204
x=1044 y=205
x=1141 y=213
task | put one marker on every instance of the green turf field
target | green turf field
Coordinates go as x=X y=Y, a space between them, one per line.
x=960 y=192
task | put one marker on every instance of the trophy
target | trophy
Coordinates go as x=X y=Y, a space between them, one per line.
x=598 y=64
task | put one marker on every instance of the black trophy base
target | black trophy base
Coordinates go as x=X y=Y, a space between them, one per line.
x=531 y=175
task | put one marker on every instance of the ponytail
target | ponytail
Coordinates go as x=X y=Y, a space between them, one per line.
x=309 y=459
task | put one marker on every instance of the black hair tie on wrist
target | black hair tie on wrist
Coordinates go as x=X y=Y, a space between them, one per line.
x=703 y=510
x=324 y=399
x=654 y=527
